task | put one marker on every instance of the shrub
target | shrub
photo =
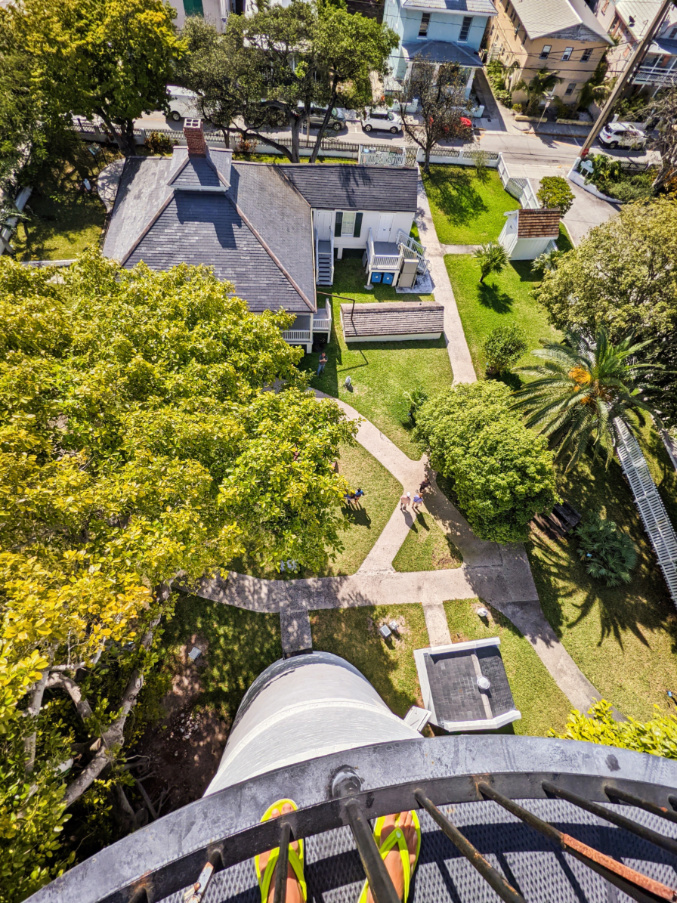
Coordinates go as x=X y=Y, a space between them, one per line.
x=501 y=471
x=416 y=399
x=554 y=193
x=480 y=158
x=546 y=262
x=657 y=737
x=158 y=144
x=518 y=108
x=504 y=346
x=607 y=552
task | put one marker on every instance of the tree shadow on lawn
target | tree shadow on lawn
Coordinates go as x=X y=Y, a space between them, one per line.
x=456 y=196
x=637 y=607
x=494 y=297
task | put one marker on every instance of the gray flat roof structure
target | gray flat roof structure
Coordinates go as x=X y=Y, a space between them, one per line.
x=345 y=186
x=465 y=686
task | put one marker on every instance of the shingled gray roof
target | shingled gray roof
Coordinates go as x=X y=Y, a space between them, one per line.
x=387 y=319
x=258 y=234
x=349 y=187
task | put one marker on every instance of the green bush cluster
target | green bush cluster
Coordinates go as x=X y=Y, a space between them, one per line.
x=607 y=553
x=658 y=737
x=555 y=194
x=609 y=177
x=501 y=472
x=504 y=346
x=496 y=74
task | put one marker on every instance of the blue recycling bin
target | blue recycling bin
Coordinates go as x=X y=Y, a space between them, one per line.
x=388 y=278
x=375 y=277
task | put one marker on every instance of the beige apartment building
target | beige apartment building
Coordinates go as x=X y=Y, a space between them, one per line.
x=562 y=35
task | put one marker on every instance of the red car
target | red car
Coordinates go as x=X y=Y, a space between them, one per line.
x=464 y=133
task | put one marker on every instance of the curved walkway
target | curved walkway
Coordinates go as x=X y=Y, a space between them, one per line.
x=498 y=574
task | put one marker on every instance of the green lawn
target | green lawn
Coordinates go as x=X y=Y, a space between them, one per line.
x=364 y=525
x=239 y=646
x=467 y=210
x=504 y=298
x=63 y=219
x=387 y=664
x=622 y=638
x=427 y=547
x=381 y=372
x=278 y=158
x=537 y=696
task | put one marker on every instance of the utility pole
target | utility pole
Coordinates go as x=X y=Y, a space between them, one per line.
x=625 y=77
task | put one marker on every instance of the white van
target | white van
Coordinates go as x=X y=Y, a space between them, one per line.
x=381 y=120
x=182 y=104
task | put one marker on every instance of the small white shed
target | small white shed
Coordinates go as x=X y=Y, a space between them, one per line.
x=528 y=233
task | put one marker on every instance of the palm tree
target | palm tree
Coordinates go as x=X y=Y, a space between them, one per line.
x=541 y=84
x=492 y=257
x=583 y=385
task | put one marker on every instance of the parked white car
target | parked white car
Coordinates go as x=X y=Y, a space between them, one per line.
x=381 y=120
x=182 y=104
x=622 y=134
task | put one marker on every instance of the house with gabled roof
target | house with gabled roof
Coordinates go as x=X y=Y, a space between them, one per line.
x=561 y=35
x=272 y=230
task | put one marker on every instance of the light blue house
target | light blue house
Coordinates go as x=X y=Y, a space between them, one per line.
x=444 y=31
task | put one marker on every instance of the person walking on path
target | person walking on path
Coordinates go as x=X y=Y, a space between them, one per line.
x=417 y=501
x=424 y=485
x=322 y=364
x=404 y=501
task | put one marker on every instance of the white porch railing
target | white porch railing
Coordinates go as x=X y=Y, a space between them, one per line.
x=380 y=261
x=322 y=320
x=297 y=335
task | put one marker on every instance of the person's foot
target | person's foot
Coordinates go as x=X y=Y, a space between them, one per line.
x=294 y=894
x=393 y=860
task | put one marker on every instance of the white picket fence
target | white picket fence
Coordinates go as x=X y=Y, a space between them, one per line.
x=649 y=503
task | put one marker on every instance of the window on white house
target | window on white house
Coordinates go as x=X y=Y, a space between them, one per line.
x=465 y=28
x=567 y=53
x=585 y=56
x=545 y=52
x=673 y=34
x=571 y=87
x=345 y=223
x=423 y=28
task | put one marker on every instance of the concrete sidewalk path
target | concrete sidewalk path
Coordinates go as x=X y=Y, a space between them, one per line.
x=459 y=353
x=459 y=249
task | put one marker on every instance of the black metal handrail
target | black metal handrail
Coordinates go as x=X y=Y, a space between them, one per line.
x=187 y=847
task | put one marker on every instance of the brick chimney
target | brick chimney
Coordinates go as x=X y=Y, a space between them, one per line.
x=195 y=138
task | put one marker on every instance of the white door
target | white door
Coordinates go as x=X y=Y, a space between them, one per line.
x=385 y=225
x=324 y=223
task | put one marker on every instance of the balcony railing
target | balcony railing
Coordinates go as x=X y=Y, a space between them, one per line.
x=568 y=782
x=297 y=335
x=655 y=75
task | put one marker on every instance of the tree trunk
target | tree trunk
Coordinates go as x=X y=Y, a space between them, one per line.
x=246 y=134
x=295 y=123
x=323 y=127
x=123 y=133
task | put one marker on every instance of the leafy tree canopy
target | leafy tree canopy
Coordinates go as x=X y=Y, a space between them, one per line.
x=139 y=440
x=658 y=736
x=623 y=276
x=106 y=58
x=501 y=472
x=554 y=193
x=270 y=67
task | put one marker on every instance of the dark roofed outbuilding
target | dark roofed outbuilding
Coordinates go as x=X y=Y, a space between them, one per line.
x=392 y=322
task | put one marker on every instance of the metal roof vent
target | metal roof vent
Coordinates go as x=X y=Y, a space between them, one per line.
x=484 y=683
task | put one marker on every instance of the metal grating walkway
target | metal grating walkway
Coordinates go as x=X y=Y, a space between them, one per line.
x=651 y=508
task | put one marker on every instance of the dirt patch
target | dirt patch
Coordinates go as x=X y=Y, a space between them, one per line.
x=179 y=756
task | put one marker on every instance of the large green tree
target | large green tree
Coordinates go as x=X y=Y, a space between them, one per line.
x=140 y=441
x=622 y=276
x=502 y=472
x=106 y=58
x=270 y=67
